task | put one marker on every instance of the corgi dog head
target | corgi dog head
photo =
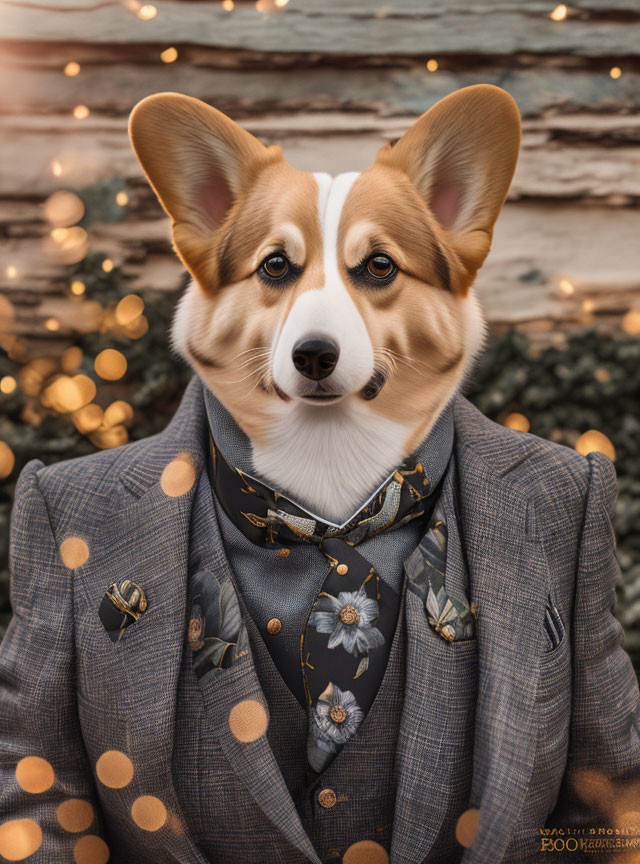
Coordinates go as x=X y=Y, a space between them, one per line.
x=333 y=317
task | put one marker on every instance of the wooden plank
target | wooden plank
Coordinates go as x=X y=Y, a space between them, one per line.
x=415 y=29
x=98 y=148
x=112 y=87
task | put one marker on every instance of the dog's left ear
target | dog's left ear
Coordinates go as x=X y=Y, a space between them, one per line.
x=461 y=156
x=198 y=162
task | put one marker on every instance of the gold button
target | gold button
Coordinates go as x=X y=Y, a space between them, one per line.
x=274 y=626
x=342 y=569
x=194 y=634
x=284 y=553
x=338 y=714
x=349 y=615
x=327 y=798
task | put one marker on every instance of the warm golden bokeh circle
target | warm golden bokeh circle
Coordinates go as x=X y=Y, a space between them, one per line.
x=516 y=421
x=178 y=476
x=366 y=852
x=114 y=769
x=74 y=552
x=7 y=460
x=128 y=309
x=467 y=827
x=63 y=208
x=91 y=850
x=34 y=774
x=593 y=787
x=149 y=813
x=595 y=442
x=75 y=815
x=248 y=720
x=110 y=364
x=19 y=838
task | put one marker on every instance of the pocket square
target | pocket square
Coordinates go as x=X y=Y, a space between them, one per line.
x=121 y=606
x=452 y=618
x=216 y=632
x=553 y=625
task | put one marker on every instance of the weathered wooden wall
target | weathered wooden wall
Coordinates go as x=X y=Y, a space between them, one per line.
x=330 y=80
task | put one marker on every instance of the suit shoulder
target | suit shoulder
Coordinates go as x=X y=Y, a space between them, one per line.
x=93 y=475
x=540 y=466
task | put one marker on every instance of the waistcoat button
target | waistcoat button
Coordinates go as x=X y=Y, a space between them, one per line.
x=342 y=569
x=274 y=626
x=327 y=798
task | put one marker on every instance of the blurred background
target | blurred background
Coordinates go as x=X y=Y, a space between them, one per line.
x=88 y=280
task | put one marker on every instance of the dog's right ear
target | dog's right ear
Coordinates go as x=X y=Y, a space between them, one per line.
x=198 y=162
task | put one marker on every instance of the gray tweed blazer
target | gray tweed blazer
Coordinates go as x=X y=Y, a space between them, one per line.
x=536 y=527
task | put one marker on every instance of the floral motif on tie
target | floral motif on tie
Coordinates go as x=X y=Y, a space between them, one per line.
x=349 y=618
x=336 y=716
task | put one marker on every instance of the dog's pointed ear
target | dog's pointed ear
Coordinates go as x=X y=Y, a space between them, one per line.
x=198 y=161
x=461 y=155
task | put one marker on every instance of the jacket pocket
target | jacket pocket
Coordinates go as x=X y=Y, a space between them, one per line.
x=553 y=625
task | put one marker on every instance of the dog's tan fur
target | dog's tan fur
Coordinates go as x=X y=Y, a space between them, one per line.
x=429 y=201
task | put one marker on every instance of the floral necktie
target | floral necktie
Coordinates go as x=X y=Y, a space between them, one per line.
x=346 y=642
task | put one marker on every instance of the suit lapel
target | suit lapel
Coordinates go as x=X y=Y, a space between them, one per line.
x=507 y=576
x=224 y=688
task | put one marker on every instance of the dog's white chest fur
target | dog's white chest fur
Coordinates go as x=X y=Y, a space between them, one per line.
x=330 y=460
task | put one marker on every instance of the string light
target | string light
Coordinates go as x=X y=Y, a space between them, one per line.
x=616 y=72
x=107 y=265
x=281 y=3
x=11 y=271
x=432 y=65
x=81 y=112
x=72 y=69
x=169 y=55
x=228 y=5
x=56 y=168
x=52 y=324
x=559 y=13
x=566 y=287
x=122 y=199
x=78 y=288
x=147 y=12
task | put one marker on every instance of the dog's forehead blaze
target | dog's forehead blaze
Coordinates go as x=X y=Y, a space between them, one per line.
x=281 y=201
x=384 y=203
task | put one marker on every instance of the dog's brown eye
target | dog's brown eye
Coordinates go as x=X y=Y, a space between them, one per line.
x=380 y=266
x=275 y=266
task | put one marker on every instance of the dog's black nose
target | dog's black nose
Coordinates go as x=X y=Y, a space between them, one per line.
x=315 y=358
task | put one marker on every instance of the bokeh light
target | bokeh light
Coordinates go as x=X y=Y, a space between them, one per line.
x=8 y=384
x=114 y=769
x=63 y=209
x=34 y=775
x=149 y=813
x=75 y=815
x=7 y=460
x=110 y=364
x=178 y=476
x=169 y=55
x=559 y=13
x=74 y=552
x=595 y=442
x=19 y=838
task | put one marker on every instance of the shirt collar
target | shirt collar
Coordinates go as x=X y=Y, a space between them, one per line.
x=433 y=452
